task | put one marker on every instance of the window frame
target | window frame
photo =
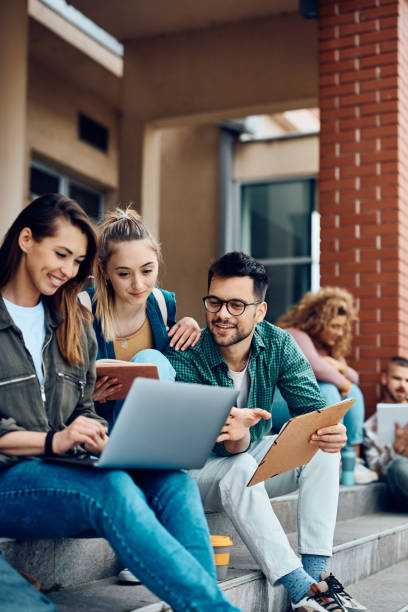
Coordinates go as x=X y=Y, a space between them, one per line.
x=64 y=183
x=235 y=220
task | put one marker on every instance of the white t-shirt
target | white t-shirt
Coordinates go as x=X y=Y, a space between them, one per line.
x=241 y=384
x=31 y=321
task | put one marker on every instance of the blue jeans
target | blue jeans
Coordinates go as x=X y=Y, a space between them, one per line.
x=153 y=519
x=165 y=369
x=396 y=477
x=16 y=594
x=353 y=420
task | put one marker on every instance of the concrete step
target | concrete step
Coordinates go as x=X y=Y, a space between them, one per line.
x=363 y=546
x=71 y=561
x=354 y=501
x=386 y=591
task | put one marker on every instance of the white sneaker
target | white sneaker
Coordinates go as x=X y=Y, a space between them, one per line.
x=348 y=601
x=320 y=598
x=362 y=474
x=126 y=577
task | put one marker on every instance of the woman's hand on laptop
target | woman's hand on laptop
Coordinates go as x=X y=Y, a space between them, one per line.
x=89 y=432
x=330 y=439
x=235 y=432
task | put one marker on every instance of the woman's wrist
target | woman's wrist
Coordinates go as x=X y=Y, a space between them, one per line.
x=48 y=444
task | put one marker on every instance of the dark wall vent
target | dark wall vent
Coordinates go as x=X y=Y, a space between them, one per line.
x=93 y=133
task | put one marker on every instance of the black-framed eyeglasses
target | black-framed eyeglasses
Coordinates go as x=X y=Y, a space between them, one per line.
x=235 y=307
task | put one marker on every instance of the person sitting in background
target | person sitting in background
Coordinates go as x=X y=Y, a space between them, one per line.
x=321 y=323
x=391 y=462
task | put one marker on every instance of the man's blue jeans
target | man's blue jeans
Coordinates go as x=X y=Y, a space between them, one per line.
x=396 y=477
x=17 y=595
x=153 y=519
x=353 y=420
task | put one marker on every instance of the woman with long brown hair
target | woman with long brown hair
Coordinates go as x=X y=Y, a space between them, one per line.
x=153 y=519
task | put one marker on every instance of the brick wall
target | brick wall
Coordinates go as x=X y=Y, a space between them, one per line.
x=363 y=89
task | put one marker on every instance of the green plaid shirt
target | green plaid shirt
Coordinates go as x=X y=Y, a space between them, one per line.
x=276 y=360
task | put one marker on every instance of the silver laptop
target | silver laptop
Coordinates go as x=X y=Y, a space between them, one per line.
x=164 y=425
x=387 y=416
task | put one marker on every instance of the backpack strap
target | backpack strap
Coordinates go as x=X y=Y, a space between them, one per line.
x=85 y=300
x=162 y=304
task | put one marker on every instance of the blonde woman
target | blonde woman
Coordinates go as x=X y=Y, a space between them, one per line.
x=131 y=315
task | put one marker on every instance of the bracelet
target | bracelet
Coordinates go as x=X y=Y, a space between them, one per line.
x=48 y=443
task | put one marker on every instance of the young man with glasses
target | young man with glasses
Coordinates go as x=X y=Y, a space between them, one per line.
x=238 y=348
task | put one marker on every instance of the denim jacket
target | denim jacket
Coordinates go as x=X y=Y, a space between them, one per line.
x=161 y=339
x=66 y=392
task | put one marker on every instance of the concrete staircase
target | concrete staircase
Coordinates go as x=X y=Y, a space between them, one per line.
x=370 y=554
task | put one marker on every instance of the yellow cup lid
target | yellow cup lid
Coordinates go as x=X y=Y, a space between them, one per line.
x=219 y=540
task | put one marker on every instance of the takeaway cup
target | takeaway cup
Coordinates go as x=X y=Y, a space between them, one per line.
x=222 y=547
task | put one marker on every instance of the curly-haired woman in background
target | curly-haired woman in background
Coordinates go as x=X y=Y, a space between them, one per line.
x=322 y=325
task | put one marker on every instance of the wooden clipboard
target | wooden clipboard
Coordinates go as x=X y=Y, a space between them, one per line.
x=291 y=449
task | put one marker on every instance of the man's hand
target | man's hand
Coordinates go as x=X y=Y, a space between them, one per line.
x=401 y=440
x=83 y=430
x=235 y=432
x=185 y=333
x=330 y=439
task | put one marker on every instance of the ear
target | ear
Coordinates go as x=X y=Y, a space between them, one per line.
x=102 y=270
x=383 y=378
x=261 y=311
x=25 y=239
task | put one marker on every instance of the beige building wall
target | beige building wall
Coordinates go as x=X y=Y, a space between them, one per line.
x=52 y=132
x=279 y=158
x=189 y=213
x=189 y=199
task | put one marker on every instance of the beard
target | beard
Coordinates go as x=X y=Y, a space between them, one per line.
x=393 y=397
x=234 y=336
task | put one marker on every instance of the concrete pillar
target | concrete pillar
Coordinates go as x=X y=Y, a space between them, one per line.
x=363 y=63
x=139 y=173
x=13 y=96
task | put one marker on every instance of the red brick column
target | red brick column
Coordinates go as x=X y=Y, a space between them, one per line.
x=363 y=88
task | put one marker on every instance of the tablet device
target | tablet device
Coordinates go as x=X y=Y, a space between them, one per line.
x=387 y=416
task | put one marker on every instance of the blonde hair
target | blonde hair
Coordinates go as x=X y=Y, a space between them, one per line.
x=315 y=310
x=118 y=226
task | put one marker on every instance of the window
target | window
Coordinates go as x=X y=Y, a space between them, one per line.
x=280 y=228
x=47 y=180
x=93 y=133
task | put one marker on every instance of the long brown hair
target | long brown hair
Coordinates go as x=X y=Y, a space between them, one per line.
x=41 y=216
x=315 y=310
x=118 y=226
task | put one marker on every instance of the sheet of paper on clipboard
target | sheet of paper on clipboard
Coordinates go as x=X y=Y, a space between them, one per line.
x=291 y=449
